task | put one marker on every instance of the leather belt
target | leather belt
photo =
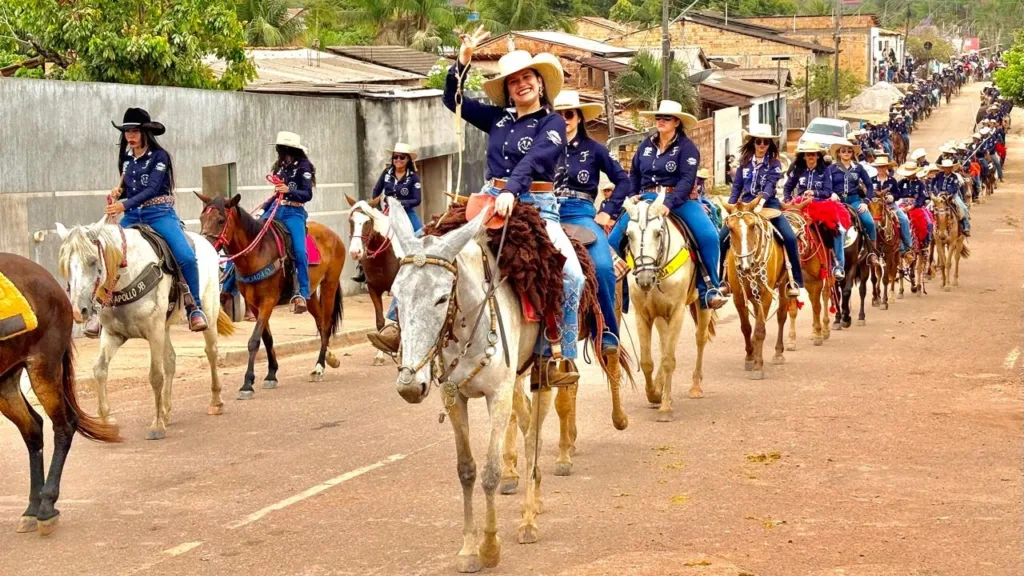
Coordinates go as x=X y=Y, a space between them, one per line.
x=547 y=187
x=574 y=194
x=292 y=203
x=158 y=201
x=659 y=189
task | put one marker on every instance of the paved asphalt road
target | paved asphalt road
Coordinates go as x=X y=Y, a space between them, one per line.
x=899 y=449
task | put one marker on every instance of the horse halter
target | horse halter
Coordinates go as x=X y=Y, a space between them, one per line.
x=757 y=274
x=643 y=262
x=112 y=279
x=406 y=373
x=367 y=255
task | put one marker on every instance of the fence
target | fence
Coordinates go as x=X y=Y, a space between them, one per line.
x=797 y=116
x=703 y=135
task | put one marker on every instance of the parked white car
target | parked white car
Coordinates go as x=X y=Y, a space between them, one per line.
x=826 y=131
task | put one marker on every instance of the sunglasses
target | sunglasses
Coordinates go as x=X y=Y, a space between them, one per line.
x=568 y=114
x=664 y=118
x=846 y=150
x=761 y=142
x=399 y=157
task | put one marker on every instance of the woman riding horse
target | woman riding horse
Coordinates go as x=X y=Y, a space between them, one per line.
x=913 y=189
x=808 y=177
x=146 y=196
x=852 y=185
x=947 y=182
x=757 y=179
x=585 y=160
x=884 y=186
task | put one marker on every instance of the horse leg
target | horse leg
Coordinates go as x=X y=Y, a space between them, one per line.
x=45 y=373
x=780 y=317
x=270 y=382
x=14 y=406
x=468 y=559
x=760 y=332
x=531 y=504
x=745 y=328
x=565 y=406
x=499 y=407
x=157 y=350
x=519 y=422
x=847 y=321
x=826 y=303
x=792 y=311
x=265 y=308
x=956 y=263
x=170 y=367
x=643 y=330
x=317 y=308
x=669 y=336
x=815 y=290
x=109 y=344
x=863 y=284
x=876 y=278
x=378 y=313
x=216 y=407
x=703 y=336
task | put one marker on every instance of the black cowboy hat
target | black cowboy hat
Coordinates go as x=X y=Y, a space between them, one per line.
x=139 y=118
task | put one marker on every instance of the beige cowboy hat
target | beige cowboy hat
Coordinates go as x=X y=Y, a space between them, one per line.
x=403 y=148
x=918 y=154
x=883 y=161
x=547 y=65
x=703 y=173
x=976 y=136
x=674 y=109
x=810 y=148
x=962 y=146
x=948 y=163
x=993 y=107
x=909 y=169
x=833 y=150
x=986 y=131
x=855 y=134
x=291 y=140
x=570 y=100
x=759 y=131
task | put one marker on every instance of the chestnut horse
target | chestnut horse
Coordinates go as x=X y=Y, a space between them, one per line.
x=889 y=243
x=757 y=273
x=899 y=148
x=228 y=225
x=818 y=279
x=48 y=353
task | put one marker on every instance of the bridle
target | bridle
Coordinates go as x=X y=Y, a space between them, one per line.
x=756 y=260
x=103 y=291
x=642 y=262
x=224 y=237
x=365 y=239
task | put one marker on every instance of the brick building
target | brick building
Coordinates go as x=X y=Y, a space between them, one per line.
x=599 y=29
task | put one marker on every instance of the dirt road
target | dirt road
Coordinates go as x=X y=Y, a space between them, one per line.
x=894 y=449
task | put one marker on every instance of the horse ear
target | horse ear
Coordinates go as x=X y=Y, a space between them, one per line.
x=405 y=237
x=660 y=200
x=234 y=201
x=206 y=199
x=730 y=208
x=351 y=200
x=453 y=242
x=62 y=231
x=629 y=205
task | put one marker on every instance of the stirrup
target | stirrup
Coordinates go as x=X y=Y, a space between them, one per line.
x=714 y=299
x=197 y=321
x=92 y=327
x=388 y=340
x=298 y=304
x=839 y=273
x=553 y=372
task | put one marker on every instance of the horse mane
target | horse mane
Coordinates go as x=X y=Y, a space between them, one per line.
x=80 y=241
x=249 y=224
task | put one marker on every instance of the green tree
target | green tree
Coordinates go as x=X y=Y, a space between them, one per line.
x=1010 y=80
x=503 y=15
x=641 y=83
x=155 y=42
x=816 y=8
x=268 y=22
x=941 y=50
x=821 y=83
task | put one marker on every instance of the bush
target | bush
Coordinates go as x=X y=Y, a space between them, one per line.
x=821 y=83
x=438 y=73
x=1010 y=80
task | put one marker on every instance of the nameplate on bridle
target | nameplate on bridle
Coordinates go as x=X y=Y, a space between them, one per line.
x=143 y=284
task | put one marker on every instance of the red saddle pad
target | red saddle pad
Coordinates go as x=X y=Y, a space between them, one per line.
x=312 y=250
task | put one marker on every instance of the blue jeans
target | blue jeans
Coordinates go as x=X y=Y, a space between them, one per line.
x=908 y=242
x=963 y=210
x=865 y=217
x=417 y=224
x=838 y=243
x=712 y=210
x=164 y=221
x=998 y=165
x=582 y=213
x=294 y=219
x=230 y=284
x=887 y=146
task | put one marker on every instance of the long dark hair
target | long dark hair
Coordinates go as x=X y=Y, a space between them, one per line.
x=799 y=166
x=747 y=153
x=150 y=142
x=294 y=154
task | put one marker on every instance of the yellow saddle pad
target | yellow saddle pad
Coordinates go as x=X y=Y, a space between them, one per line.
x=16 y=315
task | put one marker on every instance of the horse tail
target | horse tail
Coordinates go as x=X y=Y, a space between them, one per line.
x=88 y=426
x=338 y=312
x=965 y=251
x=225 y=327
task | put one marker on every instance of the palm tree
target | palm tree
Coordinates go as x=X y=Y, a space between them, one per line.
x=817 y=8
x=642 y=84
x=503 y=15
x=268 y=23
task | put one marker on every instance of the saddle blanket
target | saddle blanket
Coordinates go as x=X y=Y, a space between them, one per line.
x=312 y=250
x=16 y=315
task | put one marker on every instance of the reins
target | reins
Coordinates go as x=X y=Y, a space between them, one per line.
x=223 y=238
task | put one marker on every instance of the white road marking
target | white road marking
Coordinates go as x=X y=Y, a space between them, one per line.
x=1011 y=358
x=315 y=490
x=182 y=548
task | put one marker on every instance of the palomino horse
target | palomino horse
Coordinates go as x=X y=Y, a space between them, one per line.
x=818 y=279
x=950 y=245
x=370 y=245
x=663 y=286
x=889 y=242
x=109 y=263
x=47 y=352
x=260 y=255
x=899 y=148
x=757 y=274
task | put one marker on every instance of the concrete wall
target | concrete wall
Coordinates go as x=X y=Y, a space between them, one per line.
x=728 y=138
x=60 y=149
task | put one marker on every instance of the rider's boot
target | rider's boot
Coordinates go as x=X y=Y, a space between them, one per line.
x=92 y=327
x=298 y=304
x=388 y=340
x=197 y=320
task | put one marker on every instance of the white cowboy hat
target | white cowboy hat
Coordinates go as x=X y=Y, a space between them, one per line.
x=810 y=147
x=403 y=148
x=918 y=154
x=883 y=160
x=674 y=109
x=291 y=140
x=962 y=146
x=993 y=107
x=946 y=148
x=948 y=163
x=833 y=150
x=759 y=131
x=855 y=134
x=547 y=65
x=986 y=131
x=570 y=100
x=703 y=173
x=907 y=170
x=976 y=136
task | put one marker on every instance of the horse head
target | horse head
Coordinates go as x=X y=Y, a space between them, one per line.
x=942 y=209
x=426 y=287
x=364 y=221
x=88 y=259
x=876 y=206
x=219 y=219
x=750 y=234
x=648 y=238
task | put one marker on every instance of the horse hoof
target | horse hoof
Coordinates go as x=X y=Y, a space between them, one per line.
x=875 y=304
x=947 y=288
x=780 y=359
x=378 y=360
x=527 y=534
x=215 y=410
x=791 y=347
x=899 y=296
x=696 y=393
x=756 y=375
x=819 y=341
x=47 y=527
x=109 y=420
x=837 y=326
x=884 y=306
x=245 y=394
x=654 y=397
x=509 y=486
x=468 y=564
x=621 y=422
x=665 y=416
x=847 y=324
x=269 y=384
x=563 y=469
x=27 y=524
x=316 y=376
x=490 y=552
x=862 y=322
x=333 y=361
x=156 y=434
x=748 y=365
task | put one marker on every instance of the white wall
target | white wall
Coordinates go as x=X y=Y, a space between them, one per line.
x=728 y=137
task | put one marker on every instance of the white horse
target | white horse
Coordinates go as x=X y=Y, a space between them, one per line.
x=90 y=257
x=659 y=254
x=443 y=280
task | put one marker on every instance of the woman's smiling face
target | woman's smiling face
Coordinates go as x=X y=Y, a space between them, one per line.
x=524 y=87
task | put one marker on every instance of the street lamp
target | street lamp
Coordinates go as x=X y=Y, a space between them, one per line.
x=778 y=97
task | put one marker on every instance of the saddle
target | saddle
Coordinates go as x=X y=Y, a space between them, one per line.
x=150 y=277
x=312 y=250
x=16 y=314
x=163 y=251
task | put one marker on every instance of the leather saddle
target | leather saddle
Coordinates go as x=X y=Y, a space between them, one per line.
x=163 y=252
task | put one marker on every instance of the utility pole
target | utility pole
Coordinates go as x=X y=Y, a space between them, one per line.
x=666 y=50
x=609 y=105
x=835 y=71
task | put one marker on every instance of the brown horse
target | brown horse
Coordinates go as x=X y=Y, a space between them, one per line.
x=756 y=272
x=225 y=223
x=899 y=148
x=949 y=242
x=47 y=352
x=370 y=245
x=889 y=244
x=818 y=279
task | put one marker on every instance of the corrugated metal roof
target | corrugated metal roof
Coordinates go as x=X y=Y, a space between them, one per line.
x=762 y=32
x=307 y=89
x=763 y=75
x=741 y=87
x=398 y=57
x=611 y=66
x=314 y=68
x=721 y=98
x=570 y=41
